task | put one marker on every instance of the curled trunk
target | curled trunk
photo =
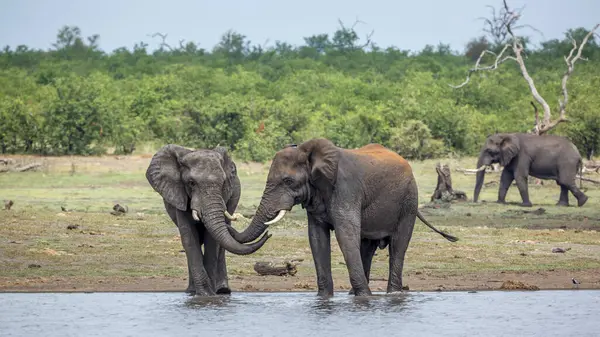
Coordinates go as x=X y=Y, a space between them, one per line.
x=254 y=230
x=214 y=221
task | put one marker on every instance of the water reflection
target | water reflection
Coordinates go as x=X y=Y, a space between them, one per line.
x=348 y=303
x=200 y=302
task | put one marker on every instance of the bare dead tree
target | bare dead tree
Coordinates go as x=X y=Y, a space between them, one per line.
x=506 y=23
x=163 y=42
x=496 y=26
x=352 y=31
x=164 y=45
x=444 y=191
x=537 y=119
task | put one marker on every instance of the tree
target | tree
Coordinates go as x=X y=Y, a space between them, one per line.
x=503 y=26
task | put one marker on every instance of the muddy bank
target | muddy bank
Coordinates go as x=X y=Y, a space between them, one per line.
x=558 y=279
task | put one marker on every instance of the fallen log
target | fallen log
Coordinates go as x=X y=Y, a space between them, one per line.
x=28 y=167
x=588 y=180
x=591 y=166
x=494 y=168
x=268 y=268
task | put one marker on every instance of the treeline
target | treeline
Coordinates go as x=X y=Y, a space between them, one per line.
x=78 y=99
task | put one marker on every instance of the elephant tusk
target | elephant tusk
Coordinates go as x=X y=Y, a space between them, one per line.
x=229 y=216
x=482 y=168
x=195 y=215
x=277 y=218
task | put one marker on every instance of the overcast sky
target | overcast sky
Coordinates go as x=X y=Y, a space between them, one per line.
x=407 y=24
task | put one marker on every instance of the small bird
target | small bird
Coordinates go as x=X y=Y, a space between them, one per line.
x=575 y=283
x=8 y=204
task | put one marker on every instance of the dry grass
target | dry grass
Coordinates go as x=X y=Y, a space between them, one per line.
x=145 y=243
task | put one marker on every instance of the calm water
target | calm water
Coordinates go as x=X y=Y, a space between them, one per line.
x=539 y=313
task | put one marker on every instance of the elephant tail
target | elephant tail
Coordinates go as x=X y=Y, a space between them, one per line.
x=448 y=237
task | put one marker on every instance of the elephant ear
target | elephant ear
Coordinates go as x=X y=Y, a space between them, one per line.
x=509 y=148
x=164 y=175
x=323 y=157
x=228 y=163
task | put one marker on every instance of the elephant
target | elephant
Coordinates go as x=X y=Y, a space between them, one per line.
x=200 y=190
x=523 y=154
x=367 y=196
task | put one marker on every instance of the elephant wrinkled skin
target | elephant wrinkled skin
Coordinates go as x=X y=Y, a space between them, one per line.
x=367 y=196
x=200 y=190
x=523 y=154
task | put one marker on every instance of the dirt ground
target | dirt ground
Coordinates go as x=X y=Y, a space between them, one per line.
x=559 y=279
x=500 y=246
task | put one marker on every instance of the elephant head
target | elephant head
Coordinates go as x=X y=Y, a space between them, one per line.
x=198 y=180
x=500 y=148
x=297 y=175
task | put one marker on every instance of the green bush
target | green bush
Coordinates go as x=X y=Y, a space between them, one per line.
x=413 y=140
x=77 y=99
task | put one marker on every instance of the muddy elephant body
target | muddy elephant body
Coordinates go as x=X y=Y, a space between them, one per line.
x=367 y=196
x=543 y=157
x=200 y=190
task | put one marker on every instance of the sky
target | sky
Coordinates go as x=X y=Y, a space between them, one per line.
x=406 y=24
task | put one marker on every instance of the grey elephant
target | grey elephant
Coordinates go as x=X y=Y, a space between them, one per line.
x=200 y=190
x=368 y=196
x=523 y=154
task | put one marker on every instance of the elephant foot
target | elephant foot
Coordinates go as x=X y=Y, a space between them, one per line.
x=562 y=204
x=500 y=202
x=190 y=291
x=363 y=292
x=325 y=293
x=204 y=293
x=395 y=293
x=581 y=201
x=224 y=290
x=526 y=204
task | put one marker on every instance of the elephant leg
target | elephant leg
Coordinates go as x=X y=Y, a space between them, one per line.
x=191 y=244
x=397 y=248
x=571 y=185
x=506 y=180
x=523 y=190
x=191 y=289
x=222 y=281
x=563 y=200
x=348 y=238
x=319 y=237
x=211 y=255
x=367 y=250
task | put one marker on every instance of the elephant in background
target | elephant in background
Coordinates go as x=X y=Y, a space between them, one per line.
x=200 y=190
x=367 y=196
x=523 y=154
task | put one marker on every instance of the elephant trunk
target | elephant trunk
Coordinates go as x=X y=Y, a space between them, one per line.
x=255 y=229
x=482 y=163
x=212 y=214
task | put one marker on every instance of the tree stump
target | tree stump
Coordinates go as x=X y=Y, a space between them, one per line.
x=268 y=268
x=444 y=191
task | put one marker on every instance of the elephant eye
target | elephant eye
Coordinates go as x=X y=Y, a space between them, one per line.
x=288 y=181
x=192 y=183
